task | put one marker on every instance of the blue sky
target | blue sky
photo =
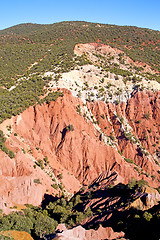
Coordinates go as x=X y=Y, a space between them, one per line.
x=120 y=12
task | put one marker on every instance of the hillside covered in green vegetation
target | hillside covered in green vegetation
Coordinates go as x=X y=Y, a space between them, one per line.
x=52 y=45
x=29 y=50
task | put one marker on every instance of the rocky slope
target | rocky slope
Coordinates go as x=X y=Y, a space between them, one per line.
x=112 y=55
x=80 y=142
x=80 y=233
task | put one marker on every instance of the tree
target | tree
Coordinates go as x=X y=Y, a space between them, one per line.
x=44 y=225
x=147 y=216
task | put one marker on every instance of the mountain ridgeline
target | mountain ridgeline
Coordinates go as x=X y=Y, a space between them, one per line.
x=24 y=44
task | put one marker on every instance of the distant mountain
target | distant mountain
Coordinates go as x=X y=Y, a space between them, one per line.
x=138 y=43
x=24 y=28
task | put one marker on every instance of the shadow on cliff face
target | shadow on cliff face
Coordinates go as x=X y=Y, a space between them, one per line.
x=47 y=199
x=136 y=224
x=111 y=206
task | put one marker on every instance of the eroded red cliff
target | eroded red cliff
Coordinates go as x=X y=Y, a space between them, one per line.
x=75 y=146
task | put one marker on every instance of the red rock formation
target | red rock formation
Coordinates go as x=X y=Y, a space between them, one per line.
x=18 y=182
x=90 y=48
x=142 y=114
x=80 y=233
x=41 y=131
x=80 y=152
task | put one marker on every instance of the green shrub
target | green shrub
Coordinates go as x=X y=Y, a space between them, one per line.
x=61 y=186
x=52 y=97
x=60 y=176
x=137 y=184
x=40 y=163
x=11 y=154
x=55 y=186
x=23 y=150
x=78 y=108
x=103 y=116
x=3 y=147
x=70 y=128
x=44 y=225
x=37 y=181
x=128 y=160
x=138 y=121
x=147 y=116
x=147 y=216
x=112 y=137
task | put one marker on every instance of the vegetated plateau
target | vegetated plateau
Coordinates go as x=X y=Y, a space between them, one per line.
x=79 y=131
